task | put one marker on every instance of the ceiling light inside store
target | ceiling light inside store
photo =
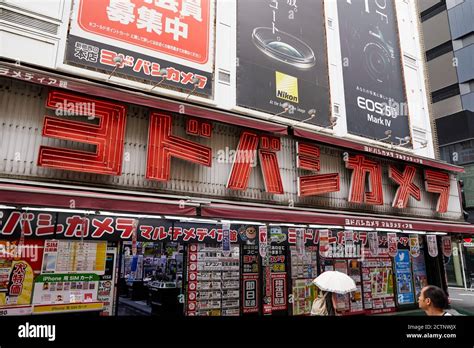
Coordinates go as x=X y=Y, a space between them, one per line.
x=7 y=207
x=288 y=225
x=388 y=230
x=187 y=219
x=141 y=216
x=242 y=222
x=57 y=210
x=326 y=226
x=359 y=228
x=438 y=233
x=413 y=232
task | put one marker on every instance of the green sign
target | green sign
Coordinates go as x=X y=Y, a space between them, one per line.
x=55 y=278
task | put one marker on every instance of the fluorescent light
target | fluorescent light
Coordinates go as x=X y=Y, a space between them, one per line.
x=57 y=210
x=359 y=228
x=326 y=226
x=388 y=230
x=109 y=213
x=438 y=233
x=188 y=219
x=7 y=207
x=413 y=232
x=288 y=225
x=242 y=222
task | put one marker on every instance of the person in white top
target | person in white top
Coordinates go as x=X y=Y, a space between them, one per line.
x=433 y=300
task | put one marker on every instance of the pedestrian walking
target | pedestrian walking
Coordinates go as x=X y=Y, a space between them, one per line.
x=324 y=304
x=434 y=301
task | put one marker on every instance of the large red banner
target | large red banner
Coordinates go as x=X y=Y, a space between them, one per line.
x=179 y=28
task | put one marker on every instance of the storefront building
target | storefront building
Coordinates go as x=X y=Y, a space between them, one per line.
x=235 y=220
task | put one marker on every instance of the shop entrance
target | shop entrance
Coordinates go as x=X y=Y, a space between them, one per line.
x=151 y=279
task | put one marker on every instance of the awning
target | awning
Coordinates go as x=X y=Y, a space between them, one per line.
x=49 y=79
x=375 y=150
x=240 y=212
x=31 y=196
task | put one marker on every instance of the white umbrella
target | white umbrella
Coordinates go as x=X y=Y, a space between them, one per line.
x=334 y=281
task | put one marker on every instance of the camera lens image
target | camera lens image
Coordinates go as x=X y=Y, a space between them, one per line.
x=378 y=57
x=377 y=61
x=284 y=47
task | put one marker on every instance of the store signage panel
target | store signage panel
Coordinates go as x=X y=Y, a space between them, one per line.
x=146 y=36
x=282 y=58
x=162 y=145
x=373 y=76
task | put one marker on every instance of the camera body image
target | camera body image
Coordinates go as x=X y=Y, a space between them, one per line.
x=371 y=62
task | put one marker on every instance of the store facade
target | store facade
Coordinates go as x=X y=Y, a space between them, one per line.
x=241 y=214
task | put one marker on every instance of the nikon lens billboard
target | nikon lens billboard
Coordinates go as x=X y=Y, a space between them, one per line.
x=282 y=58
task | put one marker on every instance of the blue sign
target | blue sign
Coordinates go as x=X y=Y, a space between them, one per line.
x=404 y=277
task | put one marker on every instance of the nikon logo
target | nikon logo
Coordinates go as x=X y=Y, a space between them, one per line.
x=286 y=87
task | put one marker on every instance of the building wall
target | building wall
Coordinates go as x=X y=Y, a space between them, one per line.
x=21 y=124
x=47 y=49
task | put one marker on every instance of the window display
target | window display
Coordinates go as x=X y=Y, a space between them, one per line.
x=213 y=281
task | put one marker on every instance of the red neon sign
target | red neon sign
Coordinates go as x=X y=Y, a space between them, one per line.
x=107 y=135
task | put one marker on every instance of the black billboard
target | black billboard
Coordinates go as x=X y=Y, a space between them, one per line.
x=373 y=78
x=282 y=58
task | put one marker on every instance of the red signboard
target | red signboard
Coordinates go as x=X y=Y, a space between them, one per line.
x=179 y=28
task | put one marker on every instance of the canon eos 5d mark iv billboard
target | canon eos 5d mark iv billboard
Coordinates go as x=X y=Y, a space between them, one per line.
x=373 y=79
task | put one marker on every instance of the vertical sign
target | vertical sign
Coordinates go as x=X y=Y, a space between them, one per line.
x=282 y=58
x=414 y=245
x=300 y=241
x=392 y=244
x=373 y=243
x=447 y=246
x=250 y=278
x=324 y=243
x=404 y=277
x=372 y=72
x=432 y=245
x=226 y=239
x=263 y=241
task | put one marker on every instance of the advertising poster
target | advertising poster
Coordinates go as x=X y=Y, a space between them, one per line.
x=106 y=290
x=148 y=36
x=226 y=239
x=372 y=72
x=282 y=59
x=278 y=277
x=404 y=278
x=432 y=245
x=342 y=301
x=263 y=241
x=353 y=271
x=64 y=256
x=373 y=243
x=250 y=282
x=324 y=243
x=392 y=244
x=414 y=245
x=65 y=288
x=447 y=246
x=19 y=264
x=303 y=296
x=419 y=273
x=377 y=279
